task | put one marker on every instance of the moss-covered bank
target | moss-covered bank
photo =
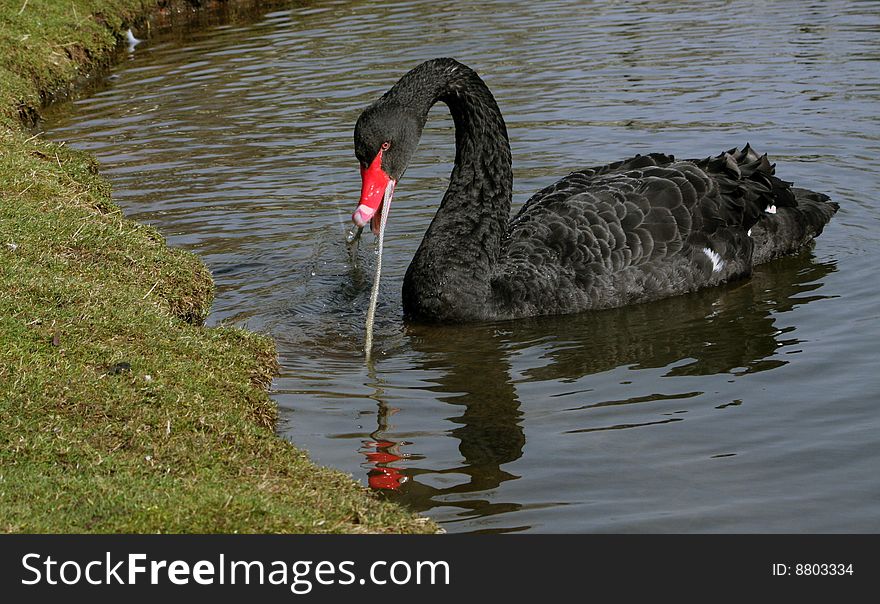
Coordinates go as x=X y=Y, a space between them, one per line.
x=118 y=410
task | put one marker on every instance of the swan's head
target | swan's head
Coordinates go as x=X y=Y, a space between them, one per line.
x=385 y=137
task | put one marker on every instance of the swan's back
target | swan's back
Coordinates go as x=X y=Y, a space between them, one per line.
x=647 y=228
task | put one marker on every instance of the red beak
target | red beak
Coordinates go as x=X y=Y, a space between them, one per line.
x=375 y=185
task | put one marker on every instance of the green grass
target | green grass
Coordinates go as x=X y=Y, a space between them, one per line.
x=48 y=45
x=119 y=412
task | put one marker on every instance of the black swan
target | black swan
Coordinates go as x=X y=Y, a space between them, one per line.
x=632 y=231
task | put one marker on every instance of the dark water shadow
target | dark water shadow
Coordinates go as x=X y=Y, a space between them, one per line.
x=727 y=330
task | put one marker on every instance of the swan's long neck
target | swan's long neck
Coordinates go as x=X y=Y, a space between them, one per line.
x=450 y=274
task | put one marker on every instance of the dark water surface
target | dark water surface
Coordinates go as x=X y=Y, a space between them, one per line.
x=751 y=407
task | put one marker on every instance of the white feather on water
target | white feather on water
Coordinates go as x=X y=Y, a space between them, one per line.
x=132 y=41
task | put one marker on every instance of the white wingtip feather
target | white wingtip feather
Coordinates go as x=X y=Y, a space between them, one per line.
x=717 y=262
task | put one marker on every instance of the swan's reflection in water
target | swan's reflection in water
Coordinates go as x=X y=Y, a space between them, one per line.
x=487 y=423
x=383 y=455
x=487 y=373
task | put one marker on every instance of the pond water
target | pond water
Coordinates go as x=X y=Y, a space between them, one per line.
x=752 y=407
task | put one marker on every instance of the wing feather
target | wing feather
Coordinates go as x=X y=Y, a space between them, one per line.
x=634 y=225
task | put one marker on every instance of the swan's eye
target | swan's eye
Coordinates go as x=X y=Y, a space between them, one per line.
x=386 y=145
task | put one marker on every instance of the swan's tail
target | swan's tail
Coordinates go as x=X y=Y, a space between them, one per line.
x=781 y=218
x=791 y=227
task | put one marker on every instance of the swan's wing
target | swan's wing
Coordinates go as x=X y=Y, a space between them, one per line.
x=682 y=224
x=582 y=179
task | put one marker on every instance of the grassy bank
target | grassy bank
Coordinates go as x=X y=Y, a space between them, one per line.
x=118 y=410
